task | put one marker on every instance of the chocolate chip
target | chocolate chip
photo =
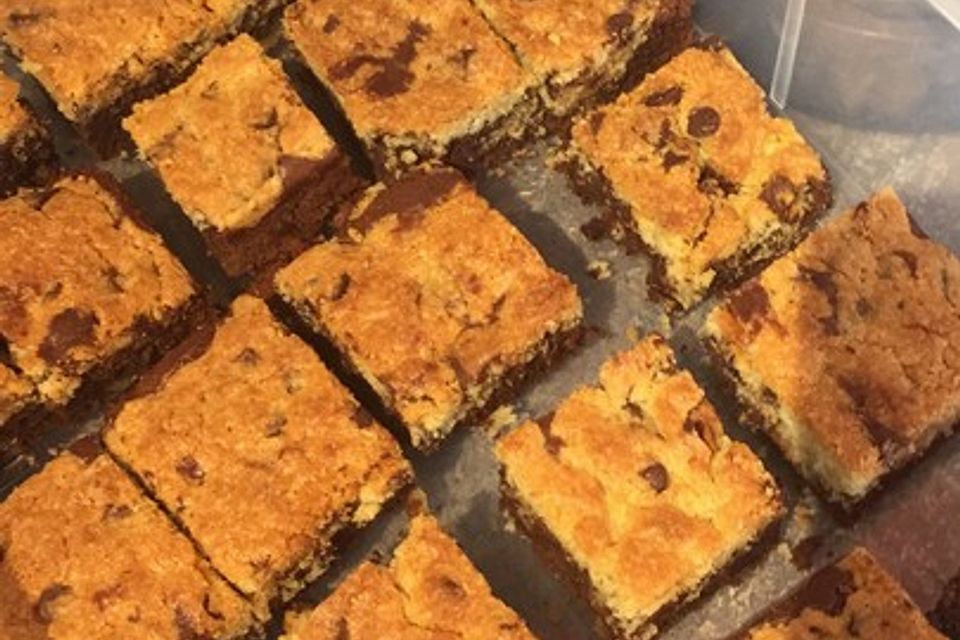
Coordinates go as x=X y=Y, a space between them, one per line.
x=657 y=476
x=18 y=19
x=362 y=417
x=910 y=259
x=341 y=288
x=552 y=443
x=343 y=629
x=618 y=26
x=699 y=421
x=828 y=591
x=823 y=281
x=117 y=512
x=69 y=329
x=394 y=76
x=703 y=122
x=332 y=24
x=667 y=97
x=750 y=302
x=102 y=597
x=248 y=356
x=671 y=160
x=861 y=392
x=780 y=194
x=87 y=448
x=714 y=183
x=44 y=609
x=275 y=426
x=189 y=468
x=463 y=58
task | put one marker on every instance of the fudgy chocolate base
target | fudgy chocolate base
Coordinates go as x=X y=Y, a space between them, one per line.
x=297 y=222
x=593 y=187
x=27 y=160
x=946 y=617
x=549 y=549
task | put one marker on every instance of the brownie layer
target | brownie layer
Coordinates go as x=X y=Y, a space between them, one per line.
x=947 y=614
x=27 y=157
x=851 y=409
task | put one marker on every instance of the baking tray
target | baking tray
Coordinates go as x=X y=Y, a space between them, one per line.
x=911 y=526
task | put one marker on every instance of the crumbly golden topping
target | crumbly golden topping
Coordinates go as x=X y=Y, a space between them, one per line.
x=706 y=172
x=88 y=54
x=637 y=481
x=229 y=141
x=431 y=294
x=84 y=555
x=77 y=275
x=855 y=339
x=403 y=71
x=14 y=118
x=429 y=591
x=259 y=451
x=852 y=600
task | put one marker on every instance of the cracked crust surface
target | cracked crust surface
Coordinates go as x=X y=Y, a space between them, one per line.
x=703 y=174
x=78 y=277
x=852 y=600
x=429 y=315
x=84 y=555
x=89 y=54
x=429 y=591
x=848 y=348
x=407 y=75
x=229 y=176
x=258 y=450
x=637 y=482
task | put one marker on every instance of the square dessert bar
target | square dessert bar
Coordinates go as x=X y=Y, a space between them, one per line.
x=27 y=157
x=248 y=163
x=96 y=59
x=853 y=599
x=87 y=295
x=257 y=450
x=429 y=589
x=632 y=490
x=845 y=350
x=83 y=554
x=435 y=299
x=691 y=166
x=584 y=52
x=416 y=84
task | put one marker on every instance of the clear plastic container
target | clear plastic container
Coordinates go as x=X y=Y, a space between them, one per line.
x=875 y=84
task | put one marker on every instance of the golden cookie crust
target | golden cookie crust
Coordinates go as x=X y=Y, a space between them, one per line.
x=706 y=178
x=429 y=591
x=847 y=348
x=431 y=316
x=78 y=275
x=230 y=442
x=85 y=555
x=851 y=600
x=225 y=141
x=635 y=479
x=14 y=118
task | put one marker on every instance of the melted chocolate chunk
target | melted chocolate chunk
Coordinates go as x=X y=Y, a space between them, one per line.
x=18 y=19
x=87 y=449
x=275 y=426
x=714 y=183
x=657 y=476
x=189 y=468
x=827 y=591
x=671 y=160
x=860 y=392
x=332 y=24
x=750 y=302
x=409 y=197
x=553 y=443
x=343 y=629
x=703 y=122
x=69 y=329
x=341 y=288
x=45 y=609
x=102 y=597
x=780 y=195
x=463 y=58
x=618 y=26
x=394 y=76
x=823 y=281
x=667 y=97
x=698 y=422
x=117 y=512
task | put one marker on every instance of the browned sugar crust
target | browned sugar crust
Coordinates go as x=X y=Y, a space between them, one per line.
x=27 y=156
x=229 y=442
x=428 y=591
x=84 y=555
x=854 y=599
x=435 y=320
x=845 y=350
x=97 y=60
x=584 y=52
x=86 y=292
x=637 y=486
x=259 y=189
x=691 y=164
x=413 y=83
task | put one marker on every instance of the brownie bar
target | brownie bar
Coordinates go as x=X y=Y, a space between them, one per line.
x=844 y=351
x=256 y=449
x=947 y=614
x=27 y=156
x=429 y=590
x=439 y=322
x=86 y=294
x=84 y=555
x=586 y=51
x=851 y=600
x=417 y=85
x=691 y=166
x=97 y=59
x=634 y=487
x=244 y=158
